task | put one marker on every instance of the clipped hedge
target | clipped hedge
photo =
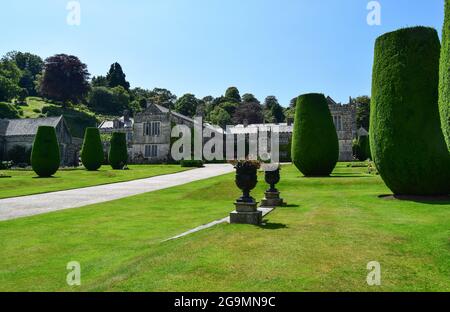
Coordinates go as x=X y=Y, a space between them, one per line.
x=444 y=77
x=19 y=154
x=315 y=146
x=45 y=157
x=92 y=155
x=406 y=139
x=191 y=163
x=8 y=111
x=361 y=148
x=118 y=154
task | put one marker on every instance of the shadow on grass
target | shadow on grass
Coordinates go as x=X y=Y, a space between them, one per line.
x=273 y=226
x=350 y=175
x=44 y=178
x=430 y=200
x=290 y=206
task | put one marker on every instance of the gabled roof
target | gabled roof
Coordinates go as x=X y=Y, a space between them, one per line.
x=109 y=124
x=362 y=132
x=166 y=110
x=26 y=126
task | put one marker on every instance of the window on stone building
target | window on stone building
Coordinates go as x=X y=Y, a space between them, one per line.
x=152 y=128
x=338 y=123
x=151 y=151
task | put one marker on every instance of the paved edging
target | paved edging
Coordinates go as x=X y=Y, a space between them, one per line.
x=24 y=206
x=265 y=211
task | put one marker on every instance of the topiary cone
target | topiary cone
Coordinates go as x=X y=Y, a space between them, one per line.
x=315 y=146
x=45 y=157
x=406 y=139
x=444 y=76
x=92 y=151
x=118 y=154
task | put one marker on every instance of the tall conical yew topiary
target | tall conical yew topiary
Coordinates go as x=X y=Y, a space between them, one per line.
x=92 y=155
x=45 y=157
x=315 y=146
x=444 y=76
x=118 y=154
x=406 y=139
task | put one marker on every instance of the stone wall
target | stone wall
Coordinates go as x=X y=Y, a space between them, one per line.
x=344 y=117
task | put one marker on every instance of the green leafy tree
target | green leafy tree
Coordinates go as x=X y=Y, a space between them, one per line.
x=116 y=77
x=8 y=111
x=232 y=95
x=220 y=117
x=31 y=66
x=186 y=105
x=363 y=112
x=406 y=138
x=249 y=98
x=118 y=154
x=45 y=156
x=162 y=97
x=10 y=76
x=315 y=146
x=65 y=78
x=109 y=100
x=99 y=81
x=27 y=61
x=92 y=155
x=273 y=111
x=8 y=89
x=121 y=99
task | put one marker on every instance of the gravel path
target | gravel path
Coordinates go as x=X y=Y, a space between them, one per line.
x=18 y=207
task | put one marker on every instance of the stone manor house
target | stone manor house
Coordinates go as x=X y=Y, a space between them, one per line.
x=21 y=133
x=149 y=133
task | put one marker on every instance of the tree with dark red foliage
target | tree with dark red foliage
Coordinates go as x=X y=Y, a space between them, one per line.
x=65 y=79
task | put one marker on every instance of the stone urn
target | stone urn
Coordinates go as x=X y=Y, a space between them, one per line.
x=272 y=177
x=272 y=195
x=246 y=180
x=246 y=207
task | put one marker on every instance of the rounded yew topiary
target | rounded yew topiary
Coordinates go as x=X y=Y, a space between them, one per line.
x=45 y=157
x=315 y=146
x=92 y=151
x=406 y=139
x=118 y=154
x=444 y=76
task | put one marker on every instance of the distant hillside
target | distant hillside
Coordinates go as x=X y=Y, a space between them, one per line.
x=78 y=118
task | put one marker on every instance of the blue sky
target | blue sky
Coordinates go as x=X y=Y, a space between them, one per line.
x=265 y=47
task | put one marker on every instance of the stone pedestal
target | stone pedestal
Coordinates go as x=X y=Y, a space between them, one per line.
x=272 y=199
x=246 y=213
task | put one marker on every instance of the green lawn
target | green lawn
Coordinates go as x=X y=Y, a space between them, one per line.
x=322 y=241
x=25 y=182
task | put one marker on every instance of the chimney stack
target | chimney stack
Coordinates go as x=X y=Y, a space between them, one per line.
x=126 y=115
